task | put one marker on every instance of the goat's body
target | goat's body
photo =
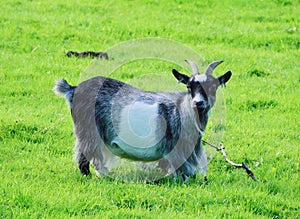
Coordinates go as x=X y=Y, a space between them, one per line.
x=112 y=118
x=133 y=124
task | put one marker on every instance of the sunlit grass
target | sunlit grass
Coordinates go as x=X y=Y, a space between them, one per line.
x=259 y=42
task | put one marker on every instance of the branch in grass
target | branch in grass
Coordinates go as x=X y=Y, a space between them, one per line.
x=243 y=165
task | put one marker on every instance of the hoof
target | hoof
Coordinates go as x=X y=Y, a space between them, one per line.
x=85 y=170
x=84 y=165
x=205 y=179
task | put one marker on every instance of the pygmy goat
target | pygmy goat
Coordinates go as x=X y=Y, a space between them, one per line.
x=112 y=118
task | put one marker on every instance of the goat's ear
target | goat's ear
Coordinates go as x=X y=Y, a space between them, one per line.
x=181 y=77
x=224 y=78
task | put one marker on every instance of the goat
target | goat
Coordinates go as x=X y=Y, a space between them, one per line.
x=112 y=118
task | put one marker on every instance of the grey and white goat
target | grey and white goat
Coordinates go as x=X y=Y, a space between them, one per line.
x=112 y=118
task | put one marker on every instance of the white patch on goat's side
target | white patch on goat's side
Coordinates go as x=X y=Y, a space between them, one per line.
x=140 y=130
x=200 y=78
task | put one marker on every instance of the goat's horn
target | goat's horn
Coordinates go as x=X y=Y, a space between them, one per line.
x=193 y=66
x=212 y=66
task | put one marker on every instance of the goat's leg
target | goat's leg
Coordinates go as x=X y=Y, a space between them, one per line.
x=180 y=176
x=81 y=158
x=84 y=165
x=164 y=165
x=99 y=162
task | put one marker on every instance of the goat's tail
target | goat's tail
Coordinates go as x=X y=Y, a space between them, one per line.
x=64 y=89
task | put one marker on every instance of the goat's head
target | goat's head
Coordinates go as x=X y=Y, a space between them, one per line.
x=202 y=87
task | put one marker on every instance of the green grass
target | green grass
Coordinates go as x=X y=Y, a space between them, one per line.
x=260 y=45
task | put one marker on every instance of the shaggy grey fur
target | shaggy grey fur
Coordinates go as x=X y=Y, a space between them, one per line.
x=101 y=110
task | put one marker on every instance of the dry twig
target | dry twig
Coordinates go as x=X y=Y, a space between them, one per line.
x=243 y=165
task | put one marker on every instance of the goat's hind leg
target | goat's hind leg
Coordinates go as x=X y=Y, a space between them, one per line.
x=81 y=158
x=100 y=160
x=84 y=165
x=90 y=152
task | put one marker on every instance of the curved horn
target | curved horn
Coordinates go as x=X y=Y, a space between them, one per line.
x=193 y=66
x=212 y=66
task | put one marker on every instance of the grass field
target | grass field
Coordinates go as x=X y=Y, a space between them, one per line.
x=260 y=43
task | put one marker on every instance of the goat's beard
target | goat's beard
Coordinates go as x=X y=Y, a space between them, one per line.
x=199 y=126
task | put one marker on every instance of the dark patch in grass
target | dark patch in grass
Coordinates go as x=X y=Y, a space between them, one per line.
x=284 y=3
x=128 y=203
x=23 y=201
x=149 y=205
x=252 y=105
x=24 y=93
x=257 y=73
x=18 y=77
x=92 y=210
x=259 y=209
x=260 y=19
x=273 y=188
x=24 y=132
x=127 y=76
x=219 y=128
x=28 y=133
